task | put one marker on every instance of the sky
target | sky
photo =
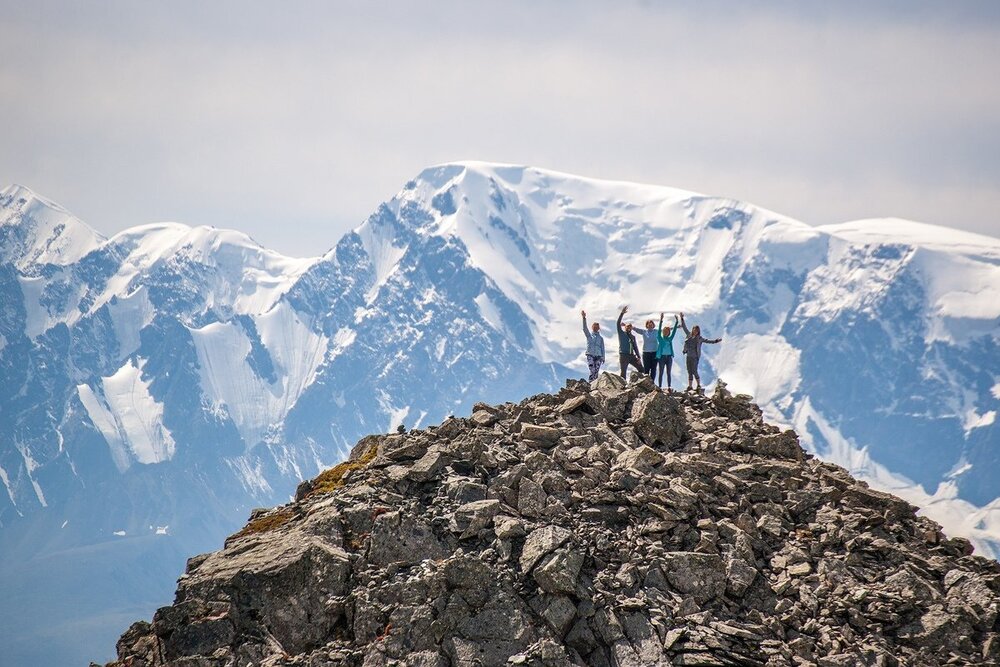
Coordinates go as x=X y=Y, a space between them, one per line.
x=292 y=121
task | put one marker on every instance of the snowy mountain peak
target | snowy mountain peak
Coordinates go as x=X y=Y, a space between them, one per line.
x=955 y=273
x=136 y=270
x=255 y=275
x=556 y=242
x=911 y=233
x=35 y=231
x=520 y=176
x=16 y=192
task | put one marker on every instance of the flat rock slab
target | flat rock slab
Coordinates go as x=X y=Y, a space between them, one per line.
x=408 y=542
x=703 y=576
x=539 y=433
x=540 y=542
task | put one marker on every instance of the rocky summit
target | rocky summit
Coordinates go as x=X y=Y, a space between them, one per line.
x=608 y=524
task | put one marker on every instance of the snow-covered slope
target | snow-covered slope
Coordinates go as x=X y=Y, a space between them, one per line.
x=159 y=383
x=877 y=339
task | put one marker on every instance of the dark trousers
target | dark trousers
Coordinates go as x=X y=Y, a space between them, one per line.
x=661 y=363
x=692 y=365
x=594 y=364
x=626 y=360
x=649 y=364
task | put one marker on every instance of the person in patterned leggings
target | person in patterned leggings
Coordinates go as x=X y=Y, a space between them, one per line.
x=595 y=346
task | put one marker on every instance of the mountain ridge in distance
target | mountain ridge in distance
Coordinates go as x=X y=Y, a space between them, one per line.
x=261 y=369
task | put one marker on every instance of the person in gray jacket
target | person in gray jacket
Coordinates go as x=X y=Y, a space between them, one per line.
x=692 y=351
x=595 y=346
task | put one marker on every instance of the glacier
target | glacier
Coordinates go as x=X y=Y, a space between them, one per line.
x=177 y=376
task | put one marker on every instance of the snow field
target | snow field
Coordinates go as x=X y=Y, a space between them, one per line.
x=128 y=417
x=228 y=380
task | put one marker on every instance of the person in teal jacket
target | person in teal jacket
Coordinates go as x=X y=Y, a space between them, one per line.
x=665 y=351
x=628 y=349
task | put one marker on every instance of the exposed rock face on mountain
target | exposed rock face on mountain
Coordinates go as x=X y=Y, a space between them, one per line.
x=604 y=525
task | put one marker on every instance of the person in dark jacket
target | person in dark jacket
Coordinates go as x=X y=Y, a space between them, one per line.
x=665 y=351
x=692 y=351
x=595 y=346
x=628 y=350
x=649 y=345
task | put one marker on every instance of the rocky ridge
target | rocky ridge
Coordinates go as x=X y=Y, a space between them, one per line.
x=610 y=524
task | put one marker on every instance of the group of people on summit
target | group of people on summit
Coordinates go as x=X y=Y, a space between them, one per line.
x=657 y=349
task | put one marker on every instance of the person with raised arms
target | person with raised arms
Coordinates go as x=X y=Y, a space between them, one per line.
x=665 y=352
x=692 y=351
x=628 y=349
x=649 y=345
x=595 y=346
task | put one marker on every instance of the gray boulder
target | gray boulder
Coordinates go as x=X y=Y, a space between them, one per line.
x=702 y=576
x=540 y=542
x=558 y=572
x=659 y=420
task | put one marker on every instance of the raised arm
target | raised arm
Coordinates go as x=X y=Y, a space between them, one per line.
x=620 y=316
x=684 y=326
x=659 y=329
x=585 y=332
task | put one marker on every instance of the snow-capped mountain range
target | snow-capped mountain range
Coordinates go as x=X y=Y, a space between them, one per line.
x=158 y=384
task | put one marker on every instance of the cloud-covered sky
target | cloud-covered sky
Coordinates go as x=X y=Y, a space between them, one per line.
x=293 y=120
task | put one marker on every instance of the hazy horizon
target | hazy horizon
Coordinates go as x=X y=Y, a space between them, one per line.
x=293 y=124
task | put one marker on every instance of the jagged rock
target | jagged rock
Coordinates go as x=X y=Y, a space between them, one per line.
x=260 y=576
x=740 y=574
x=737 y=407
x=466 y=491
x=530 y=498
x=544 y=435
x=301 y=491
x=472 y=517
x=642 y=459
x=607 y=525
x=429 y=465
x=779 y=445
x=398 y=448
x=610 y=396
x=507 y=527
x=580 y=402
x=659 y=420
x=540 y=542
x=482 y=417
x=559 y=613
x=558 y=572
x=703 y=576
